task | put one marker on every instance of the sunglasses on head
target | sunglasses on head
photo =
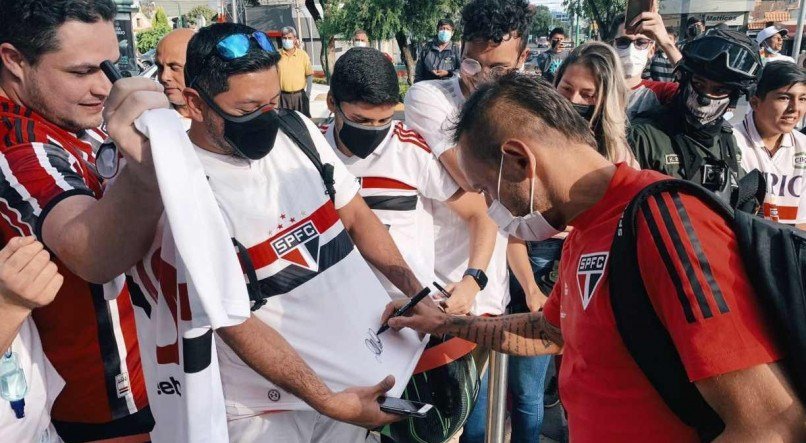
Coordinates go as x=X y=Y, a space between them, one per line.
x=237 y=45
x=625 y=42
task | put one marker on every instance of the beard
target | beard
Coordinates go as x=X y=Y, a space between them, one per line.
x=517 y=200
x=38 y=102
x=214 y=127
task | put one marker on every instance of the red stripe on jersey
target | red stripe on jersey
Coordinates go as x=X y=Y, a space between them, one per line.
x=408 y=136
x=384 y=183
x=776 y=212
x=150 y=288
x=263 y=254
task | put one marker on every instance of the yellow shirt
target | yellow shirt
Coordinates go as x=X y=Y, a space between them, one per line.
x=293 y=69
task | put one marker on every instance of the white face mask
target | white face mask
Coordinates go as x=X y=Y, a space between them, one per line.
x=633 y=60
x=531 y=227
x=361 y=44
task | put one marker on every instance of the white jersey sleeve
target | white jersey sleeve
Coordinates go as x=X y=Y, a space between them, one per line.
x=436 y=182
x=428 y=111
x=347 y=185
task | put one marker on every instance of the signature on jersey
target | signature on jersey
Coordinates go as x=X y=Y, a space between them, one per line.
x=374 y=344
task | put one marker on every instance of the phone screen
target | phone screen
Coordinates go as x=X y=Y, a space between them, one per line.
x=404 y=407
x=634 y=9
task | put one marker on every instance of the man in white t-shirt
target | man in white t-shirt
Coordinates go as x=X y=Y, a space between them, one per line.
x=770 y=143
x=395 y=166
x=311 y=331
x=28 y=382
x=770 y=42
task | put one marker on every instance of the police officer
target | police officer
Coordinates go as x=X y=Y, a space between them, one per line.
x=689 y=139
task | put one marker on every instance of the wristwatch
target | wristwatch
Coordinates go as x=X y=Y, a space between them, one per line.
x=479 y=276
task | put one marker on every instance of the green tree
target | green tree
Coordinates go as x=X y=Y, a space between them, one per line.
x=148 y=39
x=200 y=11
x=541 y=26
x=602 y=12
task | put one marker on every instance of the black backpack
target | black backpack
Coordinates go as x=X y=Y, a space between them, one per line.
x=774 y=256
x=295 y=128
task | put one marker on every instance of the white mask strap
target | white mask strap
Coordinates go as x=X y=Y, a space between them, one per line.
x=500 y=170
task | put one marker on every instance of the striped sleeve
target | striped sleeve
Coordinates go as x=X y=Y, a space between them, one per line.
x=697 y=284
x=34 y=177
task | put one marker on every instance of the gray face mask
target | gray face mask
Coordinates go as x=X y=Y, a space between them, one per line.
x=702 y=110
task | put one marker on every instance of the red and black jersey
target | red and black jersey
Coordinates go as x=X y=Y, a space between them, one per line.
x=696 y=281
x=90 y=340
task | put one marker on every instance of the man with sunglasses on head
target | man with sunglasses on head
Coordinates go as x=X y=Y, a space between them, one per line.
x=635 y=45
x=689 y=138
x=305 y=252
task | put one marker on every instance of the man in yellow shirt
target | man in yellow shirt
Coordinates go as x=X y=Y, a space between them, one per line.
x=295 y=68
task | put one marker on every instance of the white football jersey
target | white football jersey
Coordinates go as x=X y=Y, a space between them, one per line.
x=784 y=171
x=431 y=106
x=395 y=179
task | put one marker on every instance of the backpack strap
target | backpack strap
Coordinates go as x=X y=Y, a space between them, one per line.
x=253 y=286
x=645 y=337
x=295 y=128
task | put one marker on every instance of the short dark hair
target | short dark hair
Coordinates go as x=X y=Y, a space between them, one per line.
x=618 y=20
x=206 y=70
x=445 y=21
x=692 y=20
x=364 y=75
x=778 y=75
x=556 y=31
x=494 y=20
x=31 y=25
x=516 y=103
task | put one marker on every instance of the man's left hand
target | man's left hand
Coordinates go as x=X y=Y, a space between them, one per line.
x=463 y=294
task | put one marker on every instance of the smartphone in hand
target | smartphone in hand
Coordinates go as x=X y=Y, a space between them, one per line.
x=634 y=9
x=404 y=407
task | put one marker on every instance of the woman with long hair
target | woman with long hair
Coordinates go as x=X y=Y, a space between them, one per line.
x=592 y=79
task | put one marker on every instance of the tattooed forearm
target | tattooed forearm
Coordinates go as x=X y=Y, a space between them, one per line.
x=519 y=334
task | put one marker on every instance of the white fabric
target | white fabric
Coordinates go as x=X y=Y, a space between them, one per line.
x=778 y=58
x=296 y=427
x=640 y=100
x=44 y=385
x=324 y=299
x=188 y=283
x=784 y=171
x=413 y=172
x=431 y=106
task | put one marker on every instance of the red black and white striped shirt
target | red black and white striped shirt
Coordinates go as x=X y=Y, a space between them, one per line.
x=90 y=341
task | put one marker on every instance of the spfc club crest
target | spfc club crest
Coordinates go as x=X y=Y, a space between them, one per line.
x=589 y=274
x=299 y=246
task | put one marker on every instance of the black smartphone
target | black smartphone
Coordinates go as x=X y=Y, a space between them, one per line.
x=404 y=407
x=634 y=9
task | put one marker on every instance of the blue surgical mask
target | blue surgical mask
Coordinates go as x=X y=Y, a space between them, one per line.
x=444 y=35
x=288 y=44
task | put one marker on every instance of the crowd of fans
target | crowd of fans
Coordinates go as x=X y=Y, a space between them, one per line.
x=507 y=187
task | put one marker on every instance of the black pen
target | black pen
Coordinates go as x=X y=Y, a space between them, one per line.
x=442 y=290
x=111 y=71
x=405 y=308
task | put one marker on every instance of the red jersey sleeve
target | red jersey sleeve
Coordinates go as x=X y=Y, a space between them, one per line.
x=697 y=283
x=36 y=176
x=552 y=307
x=665 y=91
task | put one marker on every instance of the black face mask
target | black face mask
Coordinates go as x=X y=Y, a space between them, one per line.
x=362 y=140
x=251 y=135
x=586 y=111
x=693 y=31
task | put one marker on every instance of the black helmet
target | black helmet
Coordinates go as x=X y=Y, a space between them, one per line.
x=724 y=56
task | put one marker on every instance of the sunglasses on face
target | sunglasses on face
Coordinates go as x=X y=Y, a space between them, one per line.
x=625 y=42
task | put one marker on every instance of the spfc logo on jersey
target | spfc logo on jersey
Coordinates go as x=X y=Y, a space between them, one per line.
x=299 y=246
x=589 y=274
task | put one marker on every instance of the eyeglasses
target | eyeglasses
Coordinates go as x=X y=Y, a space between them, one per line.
x=625 y=42
x=470 y=67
